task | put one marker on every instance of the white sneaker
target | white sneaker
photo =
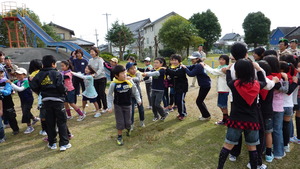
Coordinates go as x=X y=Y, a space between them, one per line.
x=204 y=119
x=69 y=117
x=2 y=140
x=97 y=115
x=280 y=157
x=43 y=133
x=142 y=124
x=65 y=147
x=287 y=148
x=86 y=105
x=35 y=120
x=263 y=166
x=131 y=127
x=80 y=118
x=53 y=147
x=104 y=111
x=232 y=158
x=29 y=129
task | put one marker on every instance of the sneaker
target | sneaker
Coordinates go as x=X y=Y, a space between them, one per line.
x=104 y=111
x=84 y=112
x=204 y=119
x=70 y=136
x=149 y=107
x=65 y=147
x=155 y=118
x=220 y=122
x=263 y=166
x=128 y=133
x=280 y=157
x=120 y=141
x=287 y=148
x=171 y=110
x=270 y=158
x=97 y=115
x=181 y=118
x=53 y=147
x=163 y=118
x=43 y=133
x=87 y=105
x=29 y=129
x=80 y=118
x=69 y=117
x=295 y=140
x=131 y=127
x=35 y=120
x=15 y=132
x=45 y=139
x=232 y=158
x=2 y=140
x=142 y=124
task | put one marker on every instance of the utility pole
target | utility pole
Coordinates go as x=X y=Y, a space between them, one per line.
x=96 y=34
x=109 y=46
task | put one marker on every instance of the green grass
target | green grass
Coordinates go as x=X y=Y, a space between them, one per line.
x=170 y=144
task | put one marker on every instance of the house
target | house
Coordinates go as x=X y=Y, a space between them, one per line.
x=151 y=31
x=62 y=32
x=278 y=33
x=294 y=34
x=223 y=45
x=82 y=43
x=231 y=37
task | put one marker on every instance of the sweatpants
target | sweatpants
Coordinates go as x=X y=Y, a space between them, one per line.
x=100 y=85
x=10 y=115
x=123 y=117
x=56 y=115
x=157 y=97
x=200 y=101
x=26 y=111
x=179 y=98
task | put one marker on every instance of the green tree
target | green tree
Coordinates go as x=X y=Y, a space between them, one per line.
x=257 y=29
x=208 y=27
x=177 y=33
x=120 y=36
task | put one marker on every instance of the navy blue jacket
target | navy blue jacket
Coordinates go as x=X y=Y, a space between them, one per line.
x=198 y=71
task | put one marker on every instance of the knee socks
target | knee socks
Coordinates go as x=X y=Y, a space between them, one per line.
x=223 y=156
x=286 y=132
x=79 y=112
x=298 y=127
x=68 y=112
x=253 y=159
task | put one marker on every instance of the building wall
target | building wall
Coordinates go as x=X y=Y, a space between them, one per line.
x=275 y=38
x=64 y=34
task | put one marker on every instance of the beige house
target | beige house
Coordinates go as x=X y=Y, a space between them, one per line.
x=62 y=32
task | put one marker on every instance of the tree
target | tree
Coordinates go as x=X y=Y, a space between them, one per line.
x=177 y=33
x=208 y=27
x=257 y=29
x=140 y=44
x=120 y=36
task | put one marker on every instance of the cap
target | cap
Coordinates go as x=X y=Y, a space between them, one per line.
x=200 y=44
x=294 y=40
x=114 y=60
x=129 y=65
x=147 y=59
x=21 y=71
x=7 y=57
x=283 y=40
x=195 y=55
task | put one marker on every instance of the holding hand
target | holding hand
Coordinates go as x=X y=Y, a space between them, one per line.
x=8 y=81
x=295 y=79
x=202 y=64
x=284 y=76
x=183 y=66
x=275 y=79
x=144 y=74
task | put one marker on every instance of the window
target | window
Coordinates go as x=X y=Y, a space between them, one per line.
x=61 y=35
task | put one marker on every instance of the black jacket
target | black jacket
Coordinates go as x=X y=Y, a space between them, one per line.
x=50 y=83
x=178 y=76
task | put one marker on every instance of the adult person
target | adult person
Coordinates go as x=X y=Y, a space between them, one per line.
x=10 y=68
x=294 y=50
x=97 y=63
x=202 y=57
x=79 y=65
x=283 y=45
x=2 y=63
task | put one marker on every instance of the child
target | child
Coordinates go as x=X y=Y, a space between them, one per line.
x=8 y=109
x=89 y=93
x=222 y=88
x=49 y=83
x=21 y=85
x=122 y=89
x=79 y=64
x=243 y=115
x=2 y=134
x=66 y=68
x=158 y=75
x=180 y=82
x=135 y=76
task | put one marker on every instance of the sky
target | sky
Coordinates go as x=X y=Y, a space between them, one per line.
x=84 y=17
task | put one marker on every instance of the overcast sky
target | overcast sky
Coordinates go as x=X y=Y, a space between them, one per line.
x=85 y=16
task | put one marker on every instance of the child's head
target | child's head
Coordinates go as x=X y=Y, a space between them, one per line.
x=265 y=66
x=130 y=67
x=35 y=64
x=159 y=62
x=283 y=44
x=147 y=61
x=175 y=59
x=113 y=61
x=94 y=52
x=258 y=53
x=224 y=60
x=273 y=62
x=270 y=52
x=131 y=59
x=195 y=57
x=89 y=70
x=49 y=61
x=291 y=59
x=66 y=65
x=119 y=72
x=238 y=51
x=244 y=71
x=79 y=53
x=21 y=73
x=1 y=72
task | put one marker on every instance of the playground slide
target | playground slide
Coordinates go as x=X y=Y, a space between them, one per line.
x=39 y=32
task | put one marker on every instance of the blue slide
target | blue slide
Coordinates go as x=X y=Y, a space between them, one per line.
x=39 y=32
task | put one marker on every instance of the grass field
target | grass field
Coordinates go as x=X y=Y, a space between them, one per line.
x=169 y=144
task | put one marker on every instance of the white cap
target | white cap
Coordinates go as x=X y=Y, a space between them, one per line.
x=21 y=71
x=195 y=55
x=147 y=59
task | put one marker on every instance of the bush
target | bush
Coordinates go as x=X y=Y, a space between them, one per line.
x=106 y=55
x=126 y=56
x=167 y=52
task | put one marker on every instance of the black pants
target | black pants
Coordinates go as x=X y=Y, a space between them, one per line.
x=179 y=97
x=100 y=85
x=26 y=111
x=77 y=82
x=10 y=115
x=56 y=114
x=200 y=101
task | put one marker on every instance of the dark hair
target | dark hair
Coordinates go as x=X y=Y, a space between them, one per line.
x=118 y=69
x=238 y=51
x=270 y=52
x=131 y=58
x=286 y=43
x=95 y=50
x=176 y=57
x=265 y=66
x=291 y=59
x=273 y=63
x=2 y=53
x=244 y=70
x=73 y=52
x=259 y=51
x=92 y=71
x=48 y=60
x=161 y=60
x=35 y=64
x=79 y=51
x=226 y=58
x=68 y=64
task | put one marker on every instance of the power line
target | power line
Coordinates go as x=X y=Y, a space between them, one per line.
x=96 y=34
x=106 y=14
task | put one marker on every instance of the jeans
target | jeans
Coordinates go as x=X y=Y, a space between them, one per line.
x=200 y=101
x=233 y=135
x=2 y=134
x=148 y=91
x=278 y=147
x=100 y=85
x=140 y=108
x=157 y=97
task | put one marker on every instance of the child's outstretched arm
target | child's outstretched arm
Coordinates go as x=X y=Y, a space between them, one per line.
x=17 y=88
x=155 y=73
x=217 y=72
x=80 y=75
x=110 y=97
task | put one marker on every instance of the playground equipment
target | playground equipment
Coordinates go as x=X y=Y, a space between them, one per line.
x=11 y=12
